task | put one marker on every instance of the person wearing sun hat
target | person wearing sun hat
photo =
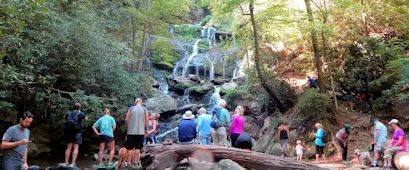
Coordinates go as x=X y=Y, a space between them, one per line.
x=397 y=145
x=187 y=128
x=342 y=140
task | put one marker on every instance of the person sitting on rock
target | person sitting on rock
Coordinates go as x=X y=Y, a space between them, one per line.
x=106 y=124
x=364 y=158
x=187 y=129
x=342 y=141
x=397 y=145
x=244 y=141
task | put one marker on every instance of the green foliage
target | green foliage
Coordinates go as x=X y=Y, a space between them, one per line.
x=162 y=52
x=231 y=94
x=206 y=20
x=186 y=30
x=312 y=104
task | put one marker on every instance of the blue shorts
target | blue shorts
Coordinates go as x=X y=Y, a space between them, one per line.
x=12 y=164
x=74 y=138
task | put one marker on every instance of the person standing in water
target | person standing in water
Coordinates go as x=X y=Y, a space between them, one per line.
x=106 y=124
x=14 y=144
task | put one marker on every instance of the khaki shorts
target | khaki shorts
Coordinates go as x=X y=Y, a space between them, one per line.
x=388 y=153
x=379 y=146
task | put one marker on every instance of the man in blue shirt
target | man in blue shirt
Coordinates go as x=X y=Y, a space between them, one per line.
x=220 y=134
x=380 y=135
x=203 y=127
x=312 y=82
x=107 y=126
x=187 y=129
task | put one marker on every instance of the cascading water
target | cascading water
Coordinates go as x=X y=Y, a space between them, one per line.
x=185 y=97
x=164 y=88
x=224 y=68
x=202 y=33
x=195 y=51
x=214 y=99
x=175 y=69
x=197 y=70
x=211 y=71
x=210 y=35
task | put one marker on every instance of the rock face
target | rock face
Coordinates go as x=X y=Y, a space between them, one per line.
x=227 y=164
x=162 y=104
x=401 y=160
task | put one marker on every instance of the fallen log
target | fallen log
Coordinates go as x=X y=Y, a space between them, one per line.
x=401 y=160
x=159 y=157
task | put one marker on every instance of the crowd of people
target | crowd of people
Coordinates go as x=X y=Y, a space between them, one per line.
x=215 y=128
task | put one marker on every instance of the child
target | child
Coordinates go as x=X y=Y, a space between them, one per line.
x=299 y=148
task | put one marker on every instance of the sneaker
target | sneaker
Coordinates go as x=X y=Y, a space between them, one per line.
x=345 y=162
x=63 y=164
x=110 y=165
x=101 y=166
x=73 y=165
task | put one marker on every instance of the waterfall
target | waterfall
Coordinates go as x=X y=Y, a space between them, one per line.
x=164 y=88
x=224 y=68
x=211 y=71
x=197 y=70
x=210 y=35
x=214 y=99
x=195 y=51
x=236 y=69
x=204 y=72
x=175 y=69
x=185 y=98
x=202 y=33
x=167 y=132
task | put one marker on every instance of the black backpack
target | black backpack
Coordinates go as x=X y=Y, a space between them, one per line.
x=324 y=139
x=72 y=122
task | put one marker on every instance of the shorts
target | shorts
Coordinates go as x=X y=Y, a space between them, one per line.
x=74 y=137
x=388 y=153
x=134 y=141
x=105 y=139
x=284 y=143
x=319 y=149
x=12 y=164
x=348 y=98
x=379 y=146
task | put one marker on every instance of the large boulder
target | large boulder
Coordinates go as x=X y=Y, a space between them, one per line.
x=162 y=104
x=194 y=78
x=179 y=84
x=401 y=160
x=227 y=164
x=252 y=127
x=229 y=85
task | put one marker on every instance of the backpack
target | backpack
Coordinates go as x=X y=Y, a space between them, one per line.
x=324 y=138
x=215 y=122
x=72 y=123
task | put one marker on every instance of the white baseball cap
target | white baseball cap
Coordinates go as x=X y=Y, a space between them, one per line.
x=394 y=121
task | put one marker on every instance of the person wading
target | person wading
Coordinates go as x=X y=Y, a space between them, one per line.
x=107 y=126
x=137 y=121
x=342 y=141
x=283 y=135
x=14 y=144
x=73 y=131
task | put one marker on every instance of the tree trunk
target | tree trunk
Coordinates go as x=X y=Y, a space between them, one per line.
x=257 y=61
x=165 y=156
x=318 y=61
x=133 y=37
x=144 y=44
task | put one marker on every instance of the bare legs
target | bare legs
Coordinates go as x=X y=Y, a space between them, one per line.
x=70 y=146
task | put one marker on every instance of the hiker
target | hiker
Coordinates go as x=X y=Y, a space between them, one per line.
x=312 y=83
x=397 y=145
x=106 y=124
x=342 y=141
x=380 y=135
x=220 y=133
x=365 y=99
x=237 y=125
x=14 y=144
x=153 y=128
x=283 y=136
x=299 y=150
x=364 y=158
x=73 y=131
x=348 y=95
x=244 y=141
x=137 y=121
x=187 y=129
x=203 y=127
x=319 y=144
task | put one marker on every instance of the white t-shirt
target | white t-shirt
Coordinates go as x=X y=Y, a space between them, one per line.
x=299 y=149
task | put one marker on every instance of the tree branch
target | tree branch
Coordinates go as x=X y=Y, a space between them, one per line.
x=242 y=11
x=72 y=93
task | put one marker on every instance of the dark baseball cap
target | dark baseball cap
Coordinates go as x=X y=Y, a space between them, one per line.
x=373 y=120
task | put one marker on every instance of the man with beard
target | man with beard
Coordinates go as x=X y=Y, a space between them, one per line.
x=14 y=144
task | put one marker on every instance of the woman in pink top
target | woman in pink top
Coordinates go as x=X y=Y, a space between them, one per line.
x=237 y=125
x=398 y=143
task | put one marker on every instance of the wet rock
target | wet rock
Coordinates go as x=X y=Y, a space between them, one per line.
x=179 y=84
x=194 y=78
x=240 y=80
x=163 y=104
x=227 y=164
x=33 y=167
x=219 y=81
x=229 y=85
x=184 y=108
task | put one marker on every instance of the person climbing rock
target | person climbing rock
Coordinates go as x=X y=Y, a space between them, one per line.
x=365 y=100
x=137 y=121
x=312 y=83
x=237 y=125
x=187 y=129
x=203 y=127
x=397 y=145
x=283 y=135
x=319 y=144
x=14 y=144
x=106 y=124
x=220 y=134
x=73 y=131
x=342 y=141
x=380 y=135
x=244 y=141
